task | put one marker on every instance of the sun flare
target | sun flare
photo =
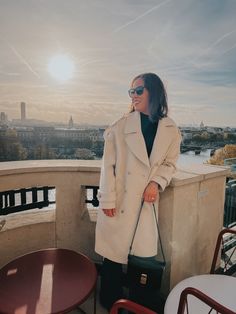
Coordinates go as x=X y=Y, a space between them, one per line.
x=61 y=67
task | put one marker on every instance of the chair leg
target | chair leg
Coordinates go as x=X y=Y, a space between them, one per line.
x=95 y=300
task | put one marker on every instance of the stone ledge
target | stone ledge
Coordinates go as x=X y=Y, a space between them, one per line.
x=184 y=175
x=26 y=218
x=206 y=170
x=57 y=165
x=197 y=173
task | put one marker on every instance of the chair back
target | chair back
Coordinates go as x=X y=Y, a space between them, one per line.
x=183 y=302
x=130 y=306
x=223 y=248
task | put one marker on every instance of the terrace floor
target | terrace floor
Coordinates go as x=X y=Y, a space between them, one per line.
x=87 y=306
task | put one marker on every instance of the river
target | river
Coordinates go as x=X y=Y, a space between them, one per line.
x=190 y=158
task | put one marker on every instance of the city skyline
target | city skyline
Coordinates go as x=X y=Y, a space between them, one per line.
x=190 y=44
x=23 y=120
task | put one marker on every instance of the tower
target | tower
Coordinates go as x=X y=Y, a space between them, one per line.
x=71 y=123
x=23 y=113
x=3 y=117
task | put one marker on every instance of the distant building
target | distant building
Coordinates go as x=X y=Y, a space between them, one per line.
x=215 y=130
x=71 y=123
x=186 y=135
x=22 y=110
x=44 y=133
x=3 y=118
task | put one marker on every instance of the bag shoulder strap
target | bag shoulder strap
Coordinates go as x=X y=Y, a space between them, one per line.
x=136 y=226
x=158 y=230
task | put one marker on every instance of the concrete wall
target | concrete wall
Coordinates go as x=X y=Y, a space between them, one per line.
x=68 y=226
x=191 y=216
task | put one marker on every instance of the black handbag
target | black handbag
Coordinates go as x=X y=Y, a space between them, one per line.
x=145 y=272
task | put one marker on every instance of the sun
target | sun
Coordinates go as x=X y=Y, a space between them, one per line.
x=61 y=67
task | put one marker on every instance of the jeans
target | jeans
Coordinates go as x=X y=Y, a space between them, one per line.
x=111 y=288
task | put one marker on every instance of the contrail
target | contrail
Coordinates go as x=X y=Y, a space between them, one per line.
x=142 y=15
x=22 y=59
x=234 y=46
x=86 y=62
x=215 y=44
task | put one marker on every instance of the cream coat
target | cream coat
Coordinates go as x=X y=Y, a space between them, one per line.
x=126 y=171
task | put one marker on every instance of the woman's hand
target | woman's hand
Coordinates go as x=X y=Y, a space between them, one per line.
x=110 y=212
x=151 y=193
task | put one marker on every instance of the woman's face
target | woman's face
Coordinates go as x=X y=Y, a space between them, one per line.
x=140 y=102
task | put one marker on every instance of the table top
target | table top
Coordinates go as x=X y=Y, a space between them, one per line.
x=219 y=287
x=46 y=281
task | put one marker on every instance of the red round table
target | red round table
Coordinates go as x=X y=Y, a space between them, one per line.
x=47 y=281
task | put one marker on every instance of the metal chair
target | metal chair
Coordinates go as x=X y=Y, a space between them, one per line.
x=214 y=305
x=227 y=249
x=130 y=306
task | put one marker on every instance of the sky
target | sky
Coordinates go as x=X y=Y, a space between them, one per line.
x=190 y=44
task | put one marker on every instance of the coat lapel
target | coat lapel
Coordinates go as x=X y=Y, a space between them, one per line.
x=162 y=141
x=134 y=138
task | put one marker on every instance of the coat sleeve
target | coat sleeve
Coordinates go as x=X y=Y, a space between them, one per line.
x=107 y=186
x=166 y=170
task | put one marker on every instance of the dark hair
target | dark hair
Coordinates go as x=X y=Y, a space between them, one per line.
x=158 y=107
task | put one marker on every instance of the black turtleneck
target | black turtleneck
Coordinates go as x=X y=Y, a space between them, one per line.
x=149 y=130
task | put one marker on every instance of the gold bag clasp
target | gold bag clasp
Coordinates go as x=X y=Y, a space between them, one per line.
x=143 y=279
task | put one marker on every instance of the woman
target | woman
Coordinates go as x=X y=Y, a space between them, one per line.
x=140 y=154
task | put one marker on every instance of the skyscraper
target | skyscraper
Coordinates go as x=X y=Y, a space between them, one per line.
x=22 y=108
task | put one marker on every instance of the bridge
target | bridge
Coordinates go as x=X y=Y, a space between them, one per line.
x=196 y=148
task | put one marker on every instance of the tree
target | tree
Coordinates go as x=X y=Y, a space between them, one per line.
x=42 y=151
x=228 y=151
x=97 y=148
x=84 y=153
x=10 y=147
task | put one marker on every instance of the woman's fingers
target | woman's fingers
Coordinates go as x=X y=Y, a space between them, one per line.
x=110 y=212
x=150 y=198
x=151 y=193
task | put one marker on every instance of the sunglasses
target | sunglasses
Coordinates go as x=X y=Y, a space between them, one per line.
x=138 y=90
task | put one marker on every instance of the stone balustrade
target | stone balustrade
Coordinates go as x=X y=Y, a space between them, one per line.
x=190 y=213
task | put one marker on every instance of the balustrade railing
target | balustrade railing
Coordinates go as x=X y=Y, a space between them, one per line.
x=230 y=204
x=92 y=191
x=38 y=197
x=13 y=201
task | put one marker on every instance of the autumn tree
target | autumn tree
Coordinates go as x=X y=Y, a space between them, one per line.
x=228 y=151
